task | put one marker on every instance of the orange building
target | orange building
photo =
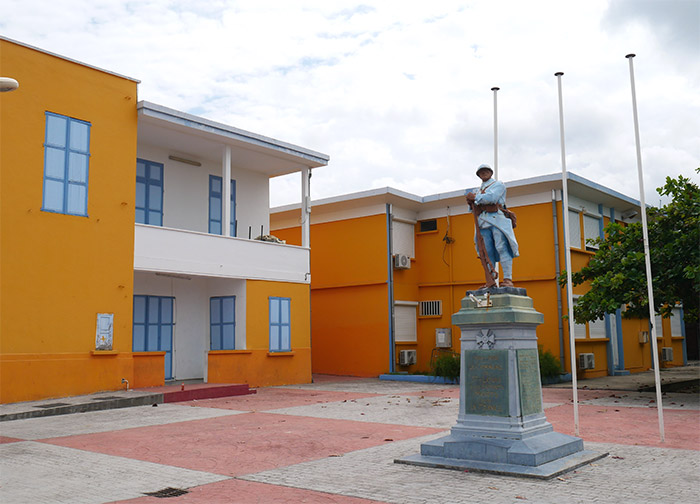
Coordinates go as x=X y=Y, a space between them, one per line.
x=388 y=270
x=125 y=259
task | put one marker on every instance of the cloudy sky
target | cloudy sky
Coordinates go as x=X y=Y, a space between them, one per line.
x=398 y=92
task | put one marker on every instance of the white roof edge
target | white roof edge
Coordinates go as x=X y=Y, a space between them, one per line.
x=369 y=193
x=607 y=190
x=183 y=118
x=69 y=59
x=459 y=193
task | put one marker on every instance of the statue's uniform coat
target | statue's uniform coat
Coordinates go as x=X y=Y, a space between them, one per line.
x=494 y=192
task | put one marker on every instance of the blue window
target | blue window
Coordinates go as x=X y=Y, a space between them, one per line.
x=66 y=160
x=280 y=324
x=153 y=328
x=222 y=323
x=149 y=192
x=215 y=206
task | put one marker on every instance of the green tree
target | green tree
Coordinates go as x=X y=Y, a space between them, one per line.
x=617 y=272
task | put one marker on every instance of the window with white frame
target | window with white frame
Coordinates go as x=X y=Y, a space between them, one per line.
x=66 y=161
x=280 y=324
x=677 y=323
x=222 y=323
x=579 y=329
x=596 y=329
x=405 y=328
x=403 y=238
x=574 y=229
x=658 y=325
x=591 y=229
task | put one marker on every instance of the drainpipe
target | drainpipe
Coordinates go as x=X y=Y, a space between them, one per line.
x=390 y=286
x=558 y=268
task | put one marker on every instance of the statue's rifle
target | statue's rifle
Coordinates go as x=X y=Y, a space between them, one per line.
x=491 y=273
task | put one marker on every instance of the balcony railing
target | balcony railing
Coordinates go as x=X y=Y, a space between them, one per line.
x=175 y=251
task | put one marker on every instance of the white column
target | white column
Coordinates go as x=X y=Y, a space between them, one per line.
x=305 y=206
x=226 y=192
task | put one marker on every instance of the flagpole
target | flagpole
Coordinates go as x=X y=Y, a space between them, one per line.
x=495 y=155
x=495 y=133
x=567 y=245
x=647 y=257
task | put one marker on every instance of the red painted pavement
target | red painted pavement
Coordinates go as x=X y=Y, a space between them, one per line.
x=7 y=439
x=630 y=426
x=242 y=444
x=248 y=492
x=276 y=398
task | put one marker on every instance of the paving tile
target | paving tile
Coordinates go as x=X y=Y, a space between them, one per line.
x=274 y=398
x=426 y=411
x=35 y=473
x=630 y=474
x=106 y=420
x=242 y=444
x=249 y=492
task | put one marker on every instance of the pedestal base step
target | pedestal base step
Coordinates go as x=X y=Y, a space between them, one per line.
x=544 y=471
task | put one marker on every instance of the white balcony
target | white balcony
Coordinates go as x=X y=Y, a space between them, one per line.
x=175 y=251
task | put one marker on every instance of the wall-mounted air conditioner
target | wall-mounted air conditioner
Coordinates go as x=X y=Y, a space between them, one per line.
x=402 y=261
x=666 y=354
x=443 y=337
x=586 y=361
x=643 y=337
x=407 y=357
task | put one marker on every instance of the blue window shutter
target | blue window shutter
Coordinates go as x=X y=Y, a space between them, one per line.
x=215 y=205
x=153 y=327
x=280 y=324
x=234 y=227
x=149 y=192
x=222 y=323
x=66 y=165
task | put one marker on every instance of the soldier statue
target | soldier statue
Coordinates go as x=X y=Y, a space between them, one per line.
x=494 y=237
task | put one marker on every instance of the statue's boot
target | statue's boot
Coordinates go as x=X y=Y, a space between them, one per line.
x=507 y=282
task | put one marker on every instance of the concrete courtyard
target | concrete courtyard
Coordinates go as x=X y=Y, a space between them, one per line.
x=335 y=441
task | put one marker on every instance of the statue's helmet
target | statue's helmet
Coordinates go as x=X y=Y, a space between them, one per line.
x=484 y=167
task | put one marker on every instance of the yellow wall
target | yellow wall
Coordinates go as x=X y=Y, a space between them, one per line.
x=59 y=271
x=350 y=317
x=349 y=295
x=257 y=366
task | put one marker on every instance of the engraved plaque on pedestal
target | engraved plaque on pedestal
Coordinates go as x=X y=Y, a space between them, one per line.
x=529 y=381
x=486 y=380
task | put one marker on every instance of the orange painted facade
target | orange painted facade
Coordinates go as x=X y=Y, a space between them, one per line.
x=58 y=271
x=350 y=285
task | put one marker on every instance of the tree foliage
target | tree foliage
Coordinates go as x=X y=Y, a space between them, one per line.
x=617 y=272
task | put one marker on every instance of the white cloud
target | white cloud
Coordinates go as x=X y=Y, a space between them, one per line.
x=398 y=93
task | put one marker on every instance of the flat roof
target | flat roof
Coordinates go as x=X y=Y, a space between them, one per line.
x=582 y=185
x=224 y=131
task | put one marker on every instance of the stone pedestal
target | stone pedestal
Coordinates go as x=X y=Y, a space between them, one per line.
x=501 y=427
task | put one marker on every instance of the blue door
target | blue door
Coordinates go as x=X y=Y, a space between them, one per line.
x=153 y=327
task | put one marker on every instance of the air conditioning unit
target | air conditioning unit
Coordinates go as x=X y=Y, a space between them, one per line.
x=402 y=261
x=443 y=337
x=586 y=361
x=643 y=337
x=407 y=357
x=666 y=354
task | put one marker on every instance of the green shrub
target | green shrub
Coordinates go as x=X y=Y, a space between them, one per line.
x=549 y=364
x=447 y=365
